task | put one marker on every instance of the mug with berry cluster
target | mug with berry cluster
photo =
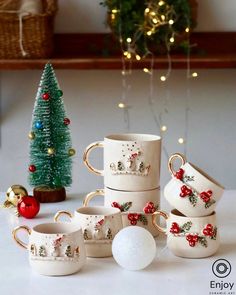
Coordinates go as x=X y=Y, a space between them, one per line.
x=190 y=237
x=136 y=207
x=142 y=201
x=191 y=191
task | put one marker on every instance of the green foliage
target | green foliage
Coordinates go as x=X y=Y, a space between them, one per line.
x=186 y=226
x=130 y=21
x=52 y=170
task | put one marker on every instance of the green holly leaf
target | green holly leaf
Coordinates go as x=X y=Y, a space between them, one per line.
x=143 y=219
x=193 y=200
x=214 y=233
x=188 y=178
x=202 y=241
x=208 y=204
x=125 y=206
x=186 y=226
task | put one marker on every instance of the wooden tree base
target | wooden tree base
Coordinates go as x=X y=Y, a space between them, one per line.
x=49 y=195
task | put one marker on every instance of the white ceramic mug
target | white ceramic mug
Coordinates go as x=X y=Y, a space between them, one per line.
x=99 y=225
x=136 y=207
x=145 y=201
x=54 y=249
x=131 y=161
x=192 y=191
x=190 y=237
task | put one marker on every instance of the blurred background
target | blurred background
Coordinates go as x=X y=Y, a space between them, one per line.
x=91 y=98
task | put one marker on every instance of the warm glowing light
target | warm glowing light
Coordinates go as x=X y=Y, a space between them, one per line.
x=180 y=140
x=138 y=57
x=161 y=3
x=123 y=73
x=163 y=128
x=149 y=33
x=194 y=75
x=146 y=70
x=153 y=13
x=147 y=10
x=187 y=30
x=172 y=39
x=128 y=55
x=163 y=78
x=121 y=105
x=113 y=16
x=129 y=40
x=114 y=11
x=163 y=17
x=171 y=21
x=155 y=21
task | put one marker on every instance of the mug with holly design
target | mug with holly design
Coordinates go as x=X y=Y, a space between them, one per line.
x=146 y=201
x=190 y=237
x=136 y=207
x=99 y=225
x=131 y=161
x=192 y=191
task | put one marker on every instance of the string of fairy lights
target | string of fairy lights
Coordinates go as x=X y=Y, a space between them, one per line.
x=156 y=15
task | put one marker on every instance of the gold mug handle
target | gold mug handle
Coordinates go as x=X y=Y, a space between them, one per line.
x=59 y=213
x=86 y=157
x=171 y=160
x=15 y=237
x=90 y=196
x=154 y=216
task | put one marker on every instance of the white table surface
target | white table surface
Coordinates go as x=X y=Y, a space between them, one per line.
x=166 y=275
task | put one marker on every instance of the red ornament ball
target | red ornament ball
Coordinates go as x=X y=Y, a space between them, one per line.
x=66 y=121
x=32 y=168
x=28 y=207
x=45 y=96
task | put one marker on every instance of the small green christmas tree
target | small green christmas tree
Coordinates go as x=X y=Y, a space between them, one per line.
x=109 y=234
x=68 y=252
x=42 y=251
x=50 y=140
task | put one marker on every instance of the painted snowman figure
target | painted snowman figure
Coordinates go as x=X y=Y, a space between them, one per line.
x=131 y=161
x=98 y=231
x=56 y=247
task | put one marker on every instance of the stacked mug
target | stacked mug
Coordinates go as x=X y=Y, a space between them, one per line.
x=191 y=227
x=131 y=177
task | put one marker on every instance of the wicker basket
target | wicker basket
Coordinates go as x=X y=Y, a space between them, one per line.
x=37 y=31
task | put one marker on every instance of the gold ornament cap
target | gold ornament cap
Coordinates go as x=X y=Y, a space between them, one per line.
x=51 y=151
x=14 y=194
x=31 y=135
x=71 y=152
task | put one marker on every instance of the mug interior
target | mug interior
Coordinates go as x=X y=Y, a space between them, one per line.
x=179 y=214
x=133 y=137
x=98 y=210
x=56 y=228
x=206 y=175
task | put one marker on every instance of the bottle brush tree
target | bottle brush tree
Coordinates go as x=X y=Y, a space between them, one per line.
x=51 y=149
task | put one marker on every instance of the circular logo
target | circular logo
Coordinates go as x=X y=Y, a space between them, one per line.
x=221 y=268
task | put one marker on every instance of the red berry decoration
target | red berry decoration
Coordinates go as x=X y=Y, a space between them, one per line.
x=208 y=230
x=179 y=174
x=116 y=205
x=185 y=191
x=149 y=208
x=45 y=96
x=175 y=229
x=32 y=168
x=192 y=239
x=67 y=121
x=133 y=217
x=28 y=207
x=206 y=196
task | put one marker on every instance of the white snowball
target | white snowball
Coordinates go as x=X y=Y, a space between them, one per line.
x=134 y=248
